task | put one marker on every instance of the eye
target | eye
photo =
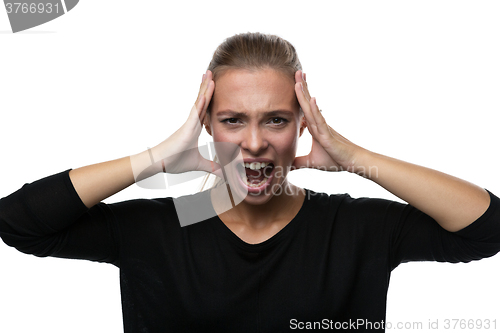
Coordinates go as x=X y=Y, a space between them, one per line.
x=231 y=121
x=278 y=121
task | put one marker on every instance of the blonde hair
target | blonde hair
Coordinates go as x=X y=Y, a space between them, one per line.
x=253 y=51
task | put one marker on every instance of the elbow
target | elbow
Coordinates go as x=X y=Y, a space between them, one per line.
x=40 y=247
x=24 y=242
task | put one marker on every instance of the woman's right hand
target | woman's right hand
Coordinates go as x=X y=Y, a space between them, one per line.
x=179 y=153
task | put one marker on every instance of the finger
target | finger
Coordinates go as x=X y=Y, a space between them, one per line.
x=207 y=78
x=306 y=107
x=200 y=104
x=318 y=117
x=209 y=89
x=201 y=88
x=300 y=76
x=196 y=114
x=201 y=109
x=206 y=90
x=315 y=122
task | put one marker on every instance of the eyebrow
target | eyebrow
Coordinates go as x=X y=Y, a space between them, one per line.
x=236 y=114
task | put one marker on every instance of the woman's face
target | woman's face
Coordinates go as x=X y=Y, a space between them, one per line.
x=259 y=112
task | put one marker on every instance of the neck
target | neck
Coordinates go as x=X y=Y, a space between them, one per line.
x=278 y=209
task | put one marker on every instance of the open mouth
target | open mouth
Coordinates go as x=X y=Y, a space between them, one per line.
x=255 y=174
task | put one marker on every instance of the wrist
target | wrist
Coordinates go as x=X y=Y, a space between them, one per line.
x=364 y=164
x=145 y=165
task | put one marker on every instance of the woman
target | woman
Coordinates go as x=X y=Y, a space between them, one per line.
x=254 y=253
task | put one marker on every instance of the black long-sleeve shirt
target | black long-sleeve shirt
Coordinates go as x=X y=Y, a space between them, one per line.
x=329 y=267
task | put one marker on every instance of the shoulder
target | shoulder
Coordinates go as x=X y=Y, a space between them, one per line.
x=183 y=210
x=345 y=207
x=142 y=206
x=344 y=200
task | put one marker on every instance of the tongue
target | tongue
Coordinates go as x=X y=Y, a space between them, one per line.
x=253 y=173
x=255 y=176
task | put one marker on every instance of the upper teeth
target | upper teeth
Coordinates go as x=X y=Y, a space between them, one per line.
x=256 y=165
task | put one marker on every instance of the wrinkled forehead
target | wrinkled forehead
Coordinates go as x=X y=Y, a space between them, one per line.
x=254 y=91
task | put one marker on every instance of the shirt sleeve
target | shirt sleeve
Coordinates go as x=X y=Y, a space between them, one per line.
x=415 y=236
x=48 y=218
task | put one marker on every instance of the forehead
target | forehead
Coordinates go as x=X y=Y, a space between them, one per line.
x=253 y=91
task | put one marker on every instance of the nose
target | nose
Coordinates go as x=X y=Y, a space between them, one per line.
x=254 y=140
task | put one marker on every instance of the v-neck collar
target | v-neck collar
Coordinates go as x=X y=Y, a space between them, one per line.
x=270 y=242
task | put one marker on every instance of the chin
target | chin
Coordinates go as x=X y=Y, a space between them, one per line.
x=258 y=199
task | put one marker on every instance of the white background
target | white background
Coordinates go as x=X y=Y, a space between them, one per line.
x=416 y=80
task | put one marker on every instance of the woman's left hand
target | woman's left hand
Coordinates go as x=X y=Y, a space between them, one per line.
x=432 y=192
x=330 y=151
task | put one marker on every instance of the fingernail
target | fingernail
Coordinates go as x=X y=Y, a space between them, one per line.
x=203 y=78
x=302 y=86
x=303 y=76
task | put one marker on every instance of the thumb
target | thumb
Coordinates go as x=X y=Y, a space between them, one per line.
x=301 y=162
x=211 y=167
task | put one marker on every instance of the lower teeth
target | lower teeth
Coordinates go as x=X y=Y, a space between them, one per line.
x=245 y=179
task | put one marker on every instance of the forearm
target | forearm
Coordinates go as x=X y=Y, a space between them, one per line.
x=96 y=182
x=454 y=203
